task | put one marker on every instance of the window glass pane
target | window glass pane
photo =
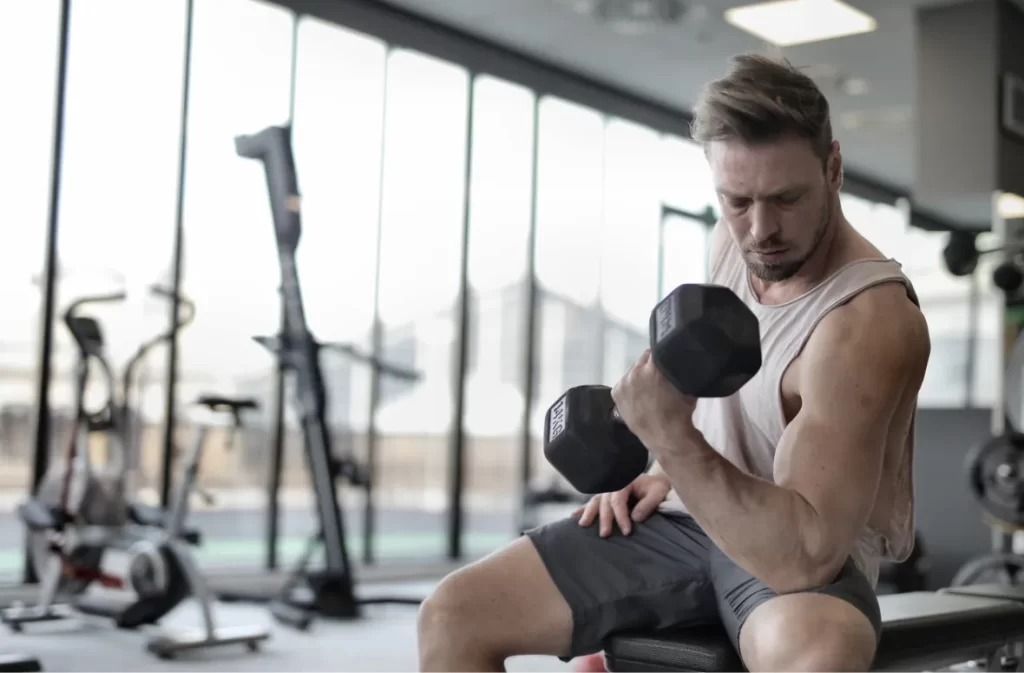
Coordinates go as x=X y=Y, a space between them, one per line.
x=629 y=264
x=684 y=252
x=240 y=83
x=687 y=181
x=570 y=188
x=337 y=136
x=570 y=193
x=945 y=299
x=125 y=140
x=29 y=35
x=421 y=248
x=946 y=303
x=500 y=208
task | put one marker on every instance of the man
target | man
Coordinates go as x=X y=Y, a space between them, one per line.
x=768 y=511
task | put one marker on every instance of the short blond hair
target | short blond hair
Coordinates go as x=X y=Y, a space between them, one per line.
x=761 y=99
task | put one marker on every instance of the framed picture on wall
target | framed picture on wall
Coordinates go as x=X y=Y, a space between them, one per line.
x=1013 y=104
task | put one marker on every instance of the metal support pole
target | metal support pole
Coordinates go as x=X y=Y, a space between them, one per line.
x=457 y=450
x=41 y=435
x=171 y=393
x=530 y=345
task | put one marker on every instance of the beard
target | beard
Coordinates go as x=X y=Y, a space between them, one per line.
x=775 y=271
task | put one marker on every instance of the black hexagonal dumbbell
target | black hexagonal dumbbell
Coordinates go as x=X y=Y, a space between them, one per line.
x=704 y=340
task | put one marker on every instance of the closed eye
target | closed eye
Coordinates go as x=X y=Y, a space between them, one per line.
x=789 y=198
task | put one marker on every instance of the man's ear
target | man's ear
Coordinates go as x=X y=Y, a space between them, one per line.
x=835 y=167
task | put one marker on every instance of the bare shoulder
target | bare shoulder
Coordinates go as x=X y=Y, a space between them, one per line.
x=880 y=332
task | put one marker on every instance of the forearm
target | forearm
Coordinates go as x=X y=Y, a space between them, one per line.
x=770 y=531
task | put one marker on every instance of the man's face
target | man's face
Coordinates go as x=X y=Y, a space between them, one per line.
x=775 y=200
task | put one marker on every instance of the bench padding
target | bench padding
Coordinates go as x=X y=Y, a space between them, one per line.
x=920 y=630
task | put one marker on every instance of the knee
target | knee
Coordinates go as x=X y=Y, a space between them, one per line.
x=809 y=645
x=448 y=612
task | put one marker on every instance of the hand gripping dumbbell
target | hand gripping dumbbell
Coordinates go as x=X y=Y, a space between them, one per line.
x=704 y=340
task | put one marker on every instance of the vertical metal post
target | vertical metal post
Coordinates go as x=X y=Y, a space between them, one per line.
x=457 y=451
x=999 y=228
x=273 y=512
x=597 y=308
x=970 y=360
x=530 y=345
x=1006 y=334
x=276 y=452
x=177 y=266
x=41 y=434
x=376 y=337
x=661 y=254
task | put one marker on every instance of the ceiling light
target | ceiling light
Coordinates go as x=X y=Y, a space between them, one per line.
x=790 y=22
x=854 y=86
x=1010 y=206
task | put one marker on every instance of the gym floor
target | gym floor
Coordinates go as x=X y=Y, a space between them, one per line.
x=384 y=640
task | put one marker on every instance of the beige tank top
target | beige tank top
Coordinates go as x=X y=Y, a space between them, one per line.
x=746 y=427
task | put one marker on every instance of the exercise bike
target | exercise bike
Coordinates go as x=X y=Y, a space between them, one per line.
x=80 y=512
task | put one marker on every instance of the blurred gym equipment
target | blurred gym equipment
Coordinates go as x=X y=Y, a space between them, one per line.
x=327 y=591
x=81 y=511
x=167 y=645
x=961 y=255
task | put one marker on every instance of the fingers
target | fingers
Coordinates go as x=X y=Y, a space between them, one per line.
x=646 y=507
x=606 y=517
x=590 y=511
x=608 y=510
x=620 y=510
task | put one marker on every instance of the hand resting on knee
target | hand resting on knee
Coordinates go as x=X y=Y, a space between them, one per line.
x=633 y=504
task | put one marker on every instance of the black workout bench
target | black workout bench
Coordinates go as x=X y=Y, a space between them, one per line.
x=920 y=631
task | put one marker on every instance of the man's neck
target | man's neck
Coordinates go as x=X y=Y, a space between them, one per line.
x=817 y=268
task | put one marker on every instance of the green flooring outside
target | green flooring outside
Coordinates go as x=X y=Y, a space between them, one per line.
x=429 y=545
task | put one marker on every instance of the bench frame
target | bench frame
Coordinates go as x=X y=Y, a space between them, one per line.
x=982 y=623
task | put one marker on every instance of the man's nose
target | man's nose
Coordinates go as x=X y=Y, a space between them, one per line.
x=763 y=223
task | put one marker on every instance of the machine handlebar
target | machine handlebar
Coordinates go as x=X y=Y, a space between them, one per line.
x=70 y=311
x=273 y=344
x=143 y=350
x=183 y=301
x=395 y=371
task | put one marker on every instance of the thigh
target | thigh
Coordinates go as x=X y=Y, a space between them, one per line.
x=739 y=593
x=653 y=578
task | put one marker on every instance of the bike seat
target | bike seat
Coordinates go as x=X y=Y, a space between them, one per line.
x=233 y=404
x=148 y=515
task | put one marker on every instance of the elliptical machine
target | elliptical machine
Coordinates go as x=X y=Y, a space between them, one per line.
x=81 y=511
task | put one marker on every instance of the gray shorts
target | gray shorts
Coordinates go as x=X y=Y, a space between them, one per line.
x=666 y=573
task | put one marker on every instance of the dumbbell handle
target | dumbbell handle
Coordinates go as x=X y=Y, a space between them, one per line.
x=618 y=417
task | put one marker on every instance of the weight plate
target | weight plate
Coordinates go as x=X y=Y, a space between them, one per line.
x=995 y=473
